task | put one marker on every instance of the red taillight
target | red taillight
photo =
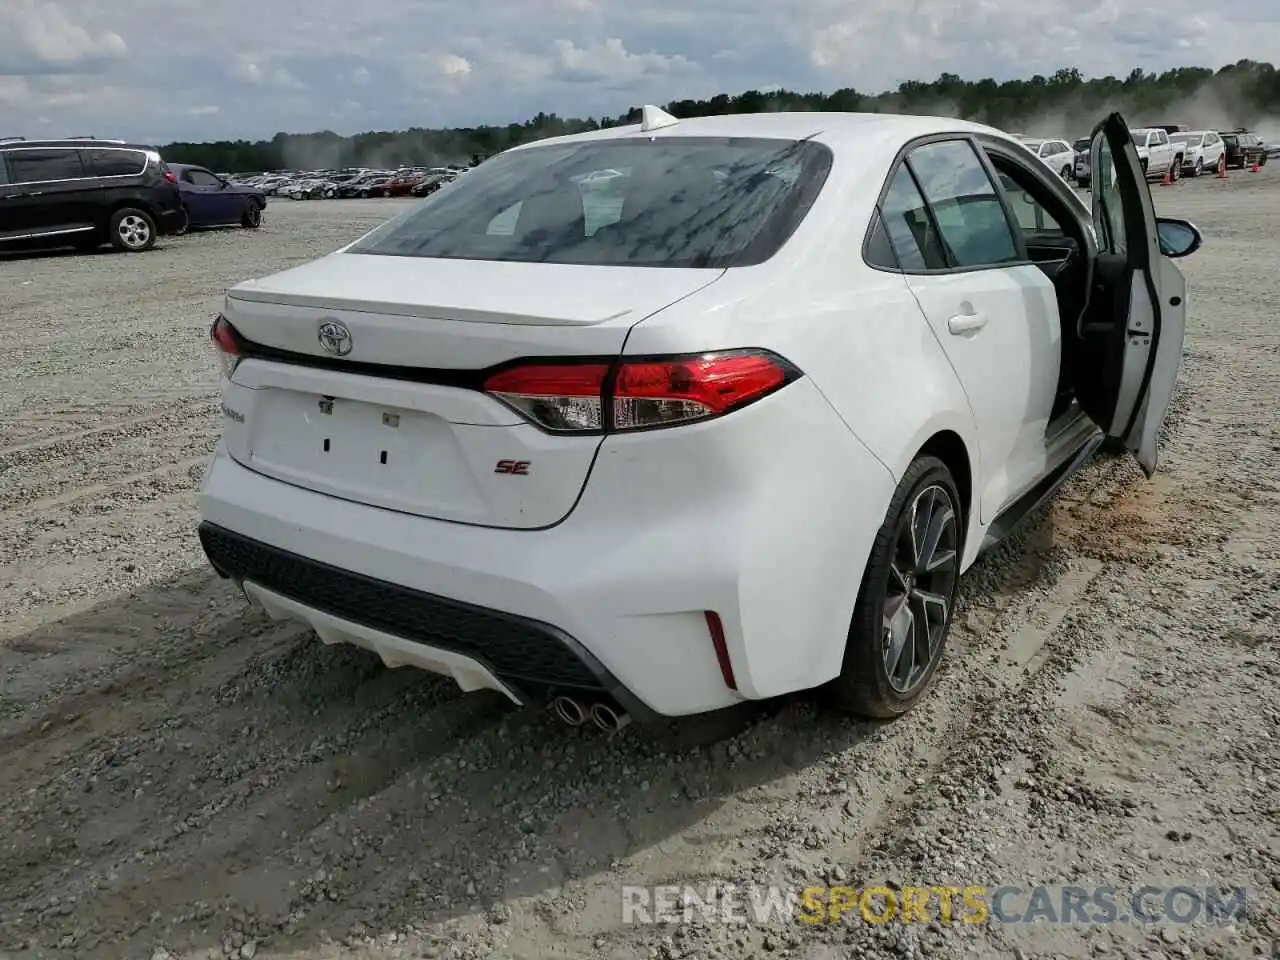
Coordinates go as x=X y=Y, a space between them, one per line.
x=170 y=176
x=228 y=344
x=641 y=394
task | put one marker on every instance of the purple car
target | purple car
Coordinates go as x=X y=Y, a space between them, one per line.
x=210 y=201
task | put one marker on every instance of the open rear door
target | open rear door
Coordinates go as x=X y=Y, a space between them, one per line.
x=1133 y=329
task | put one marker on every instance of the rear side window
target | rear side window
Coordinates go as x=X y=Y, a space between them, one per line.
x=37 y=166
x=911 y=232
x=202 y=178
x=661 y=202
x=969 y=214
x=113 y=163
x=4 y=170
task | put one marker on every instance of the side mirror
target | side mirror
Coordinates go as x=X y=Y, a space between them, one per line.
x=1178 y=238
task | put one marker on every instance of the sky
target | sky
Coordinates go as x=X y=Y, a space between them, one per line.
x=164 y=70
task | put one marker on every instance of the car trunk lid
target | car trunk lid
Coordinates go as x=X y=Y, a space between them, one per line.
x=392 y=413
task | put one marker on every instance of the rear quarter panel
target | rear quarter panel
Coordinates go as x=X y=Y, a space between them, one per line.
x=865 y=348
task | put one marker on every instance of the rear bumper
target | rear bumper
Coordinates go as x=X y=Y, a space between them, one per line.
x=765 y=518
x=479 y=647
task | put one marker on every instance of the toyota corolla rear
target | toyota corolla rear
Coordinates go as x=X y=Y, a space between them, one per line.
x=437 y=444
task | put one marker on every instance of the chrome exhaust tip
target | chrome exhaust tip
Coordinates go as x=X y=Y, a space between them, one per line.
x=569 y=711
x=608 y=719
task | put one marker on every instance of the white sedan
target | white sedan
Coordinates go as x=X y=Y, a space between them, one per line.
x=736 y=434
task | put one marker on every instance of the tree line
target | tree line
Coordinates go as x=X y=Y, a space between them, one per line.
x=1239 y=94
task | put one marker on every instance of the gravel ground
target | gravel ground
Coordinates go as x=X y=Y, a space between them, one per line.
x=180 y=776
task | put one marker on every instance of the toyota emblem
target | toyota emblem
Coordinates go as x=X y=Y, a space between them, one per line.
x=335 y=337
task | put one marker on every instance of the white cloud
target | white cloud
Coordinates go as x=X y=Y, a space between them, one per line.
x=452 y=65
x=260 y=72
x=296 y=64
x=38 y=36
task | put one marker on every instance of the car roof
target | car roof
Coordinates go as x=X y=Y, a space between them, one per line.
x=85 y=142
x=832 y=129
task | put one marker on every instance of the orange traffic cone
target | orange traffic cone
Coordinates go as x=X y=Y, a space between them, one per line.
x=1255 y=168
x=1222 y=167
x=1168 y=177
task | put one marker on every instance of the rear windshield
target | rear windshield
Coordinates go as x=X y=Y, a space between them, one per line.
x=661 y=202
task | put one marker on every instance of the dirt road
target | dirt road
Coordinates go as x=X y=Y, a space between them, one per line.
x=178 y=773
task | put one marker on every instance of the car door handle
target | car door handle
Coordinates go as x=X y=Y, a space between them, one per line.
x=966 y=323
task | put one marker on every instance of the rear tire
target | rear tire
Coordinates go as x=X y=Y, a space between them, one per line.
x=132 y=230
x=906 y=598
x=1198 y=168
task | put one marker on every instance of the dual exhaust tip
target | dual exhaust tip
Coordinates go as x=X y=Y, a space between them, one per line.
x=574 y=714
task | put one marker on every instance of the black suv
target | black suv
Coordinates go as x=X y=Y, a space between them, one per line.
x=85 y=193
x=1244 y=148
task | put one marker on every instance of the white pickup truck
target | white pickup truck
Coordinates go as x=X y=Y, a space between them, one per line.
x=1158 y=155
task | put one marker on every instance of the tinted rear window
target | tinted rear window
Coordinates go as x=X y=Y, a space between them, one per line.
x=664 y=202
x=113 y=163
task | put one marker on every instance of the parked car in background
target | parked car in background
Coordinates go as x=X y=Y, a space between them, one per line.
x=585 y=455
x=1201 y=150
x=368 y=186
x=85 y=193
x=1057 y=155
x=1081 y=150
x=431 y=183
x=1243 y=148
x=1158 y=156
x=209 y=200
x=401 y=185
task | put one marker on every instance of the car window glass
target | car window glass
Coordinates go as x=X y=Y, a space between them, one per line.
x=970 y=216
x=1108 y=211
x=113 y=163
x=912 y=235
x=504 y=224
x=603 y=193
x=879 y=246
x=4 y=170
x=203 y=178
x=694 y=202
x=36 y=166
x=1030 y=214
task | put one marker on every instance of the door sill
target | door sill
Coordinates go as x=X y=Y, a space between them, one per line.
x=1063 y=423
x=1007 y=521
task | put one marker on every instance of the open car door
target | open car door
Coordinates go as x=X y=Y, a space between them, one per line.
x=1131 y=333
